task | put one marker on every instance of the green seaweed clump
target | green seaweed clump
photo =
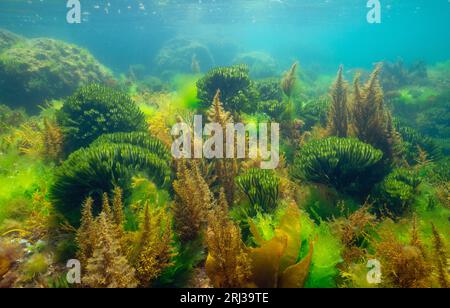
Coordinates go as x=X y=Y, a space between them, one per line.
x=261 y=187
x=95 y=110
x=36 y=265
x=36 y=70
x=396 y=74
x=414 y=142
x=346 y=164
x=109 y=162
x=315 y=111
x=270 y=98
x=396 y=193
x=434 y=118
x=326 y=255
x=237 y=89
x=269 y=89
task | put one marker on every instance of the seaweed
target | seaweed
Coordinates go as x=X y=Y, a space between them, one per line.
x=277 y=262
x=225 y=169
x=154 y=251
x=98 y=169
x=10 y=118
x=341 y=163
x=53 y=141
x=414 y=142
x=107 y=267
x=289 y=80
x=354 y=183
x=370 y=122
x=270 y=99
x=238 y=90
x=338 y=117
x=41 y=69
x=396 y=193
x=193 y=199
x=355 y=232
x=228 y=264
x=440 y=258
x=94 y=110
x=262 y=188
x=269 y=89
x=9 y=253
x=315 y=112
x=404 y=265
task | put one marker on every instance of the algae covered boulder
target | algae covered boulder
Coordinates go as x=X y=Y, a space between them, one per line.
x=261 y=64
x=36 y=70
x=183 y=56
x=8 y=39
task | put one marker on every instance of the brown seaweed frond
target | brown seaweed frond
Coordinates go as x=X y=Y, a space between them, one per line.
x=443 y=193
x=106 y=207
x=440 y=257
x=117 y=206
x=289 y=80
x=415 y=237
x=393 y=138
x=217 y=114
x=354 y=228
x=228 y=264
x=29 y=139
x=422 y=158
x=225 y=169
x=36 y=139
x=85 y=236
x=10 y=252
x=338 y=115
x=367 y=109
x=371 y=122
x=404 y=266
x=108 y=267
x=154 y=251
x=193 y=199
x=53 y=141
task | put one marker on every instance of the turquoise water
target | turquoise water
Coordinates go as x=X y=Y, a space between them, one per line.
x=317 y=33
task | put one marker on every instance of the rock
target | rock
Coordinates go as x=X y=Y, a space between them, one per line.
x=178 y=56
x=261 y=64
x=8 y=39
x=43 y=69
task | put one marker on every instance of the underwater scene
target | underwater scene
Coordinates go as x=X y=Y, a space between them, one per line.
x=224 y=144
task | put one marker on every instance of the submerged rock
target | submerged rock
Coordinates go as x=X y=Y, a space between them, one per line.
x=42 y=69
x=8 y=39
x=184 y=56
x=261 y=64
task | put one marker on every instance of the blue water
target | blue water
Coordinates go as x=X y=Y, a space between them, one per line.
x=325 y=33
